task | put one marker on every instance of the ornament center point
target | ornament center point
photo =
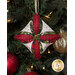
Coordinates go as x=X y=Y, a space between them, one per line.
x=36 y=36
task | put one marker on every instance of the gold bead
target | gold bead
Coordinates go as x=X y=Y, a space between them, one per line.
x=31 y=66
x=7 y=10
x=43 y=68
x=49 y=52
x=8 y=21
x=8 y=1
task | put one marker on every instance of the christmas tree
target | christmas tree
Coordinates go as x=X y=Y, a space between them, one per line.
x=54 y=14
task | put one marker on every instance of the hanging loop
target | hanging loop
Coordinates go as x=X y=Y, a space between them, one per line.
x=36 y=6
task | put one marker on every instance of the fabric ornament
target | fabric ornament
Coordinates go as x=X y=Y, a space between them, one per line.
x=37 y=36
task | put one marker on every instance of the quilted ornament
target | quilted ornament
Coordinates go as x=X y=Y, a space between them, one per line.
x=37 y=36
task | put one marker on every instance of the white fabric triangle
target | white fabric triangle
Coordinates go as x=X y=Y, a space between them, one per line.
x=44 y=46
x=29 y=45
x=27 y=27
x=46 y=28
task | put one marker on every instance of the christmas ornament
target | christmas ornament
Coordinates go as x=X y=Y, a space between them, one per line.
x=57 y=65
x=61 y=44
x=12 y=63
x=37 y=35
x=31 y=73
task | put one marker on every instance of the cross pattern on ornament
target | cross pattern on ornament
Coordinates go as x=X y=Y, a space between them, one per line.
x=37 y=36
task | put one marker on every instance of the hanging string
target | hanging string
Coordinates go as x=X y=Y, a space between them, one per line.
x=36 y=6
